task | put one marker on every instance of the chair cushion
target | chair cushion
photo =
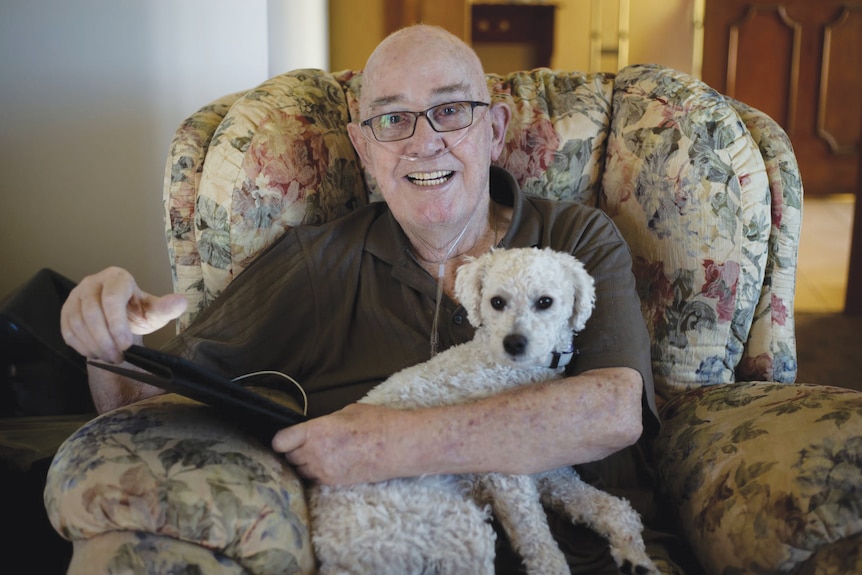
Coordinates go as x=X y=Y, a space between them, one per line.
x=167 y=467
x=555 y=146
x=281 y=157
x=182 y=181
x=686 y=185
x=762 y=475
x=139 y=552
x=770 y=354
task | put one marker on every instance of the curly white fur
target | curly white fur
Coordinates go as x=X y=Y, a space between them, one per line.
x=525 y=303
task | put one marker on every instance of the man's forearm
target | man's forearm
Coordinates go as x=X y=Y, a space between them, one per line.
x=110 y=390
x=531 y=429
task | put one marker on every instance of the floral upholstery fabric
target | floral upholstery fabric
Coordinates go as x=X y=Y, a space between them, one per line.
x=167 y=467
x=256 y=183
x=770 y=352
x=555 y=145
x=182 y=184
x=762 y=477
x=125 y=552
x=684 y=182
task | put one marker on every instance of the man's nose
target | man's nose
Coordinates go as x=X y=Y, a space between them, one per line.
x=425 y=141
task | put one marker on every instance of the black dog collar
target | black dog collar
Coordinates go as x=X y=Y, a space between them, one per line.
x=559 y=359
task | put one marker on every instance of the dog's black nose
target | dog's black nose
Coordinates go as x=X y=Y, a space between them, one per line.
x=515 y=344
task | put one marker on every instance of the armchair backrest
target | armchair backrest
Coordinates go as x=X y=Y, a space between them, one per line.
x=705 y=190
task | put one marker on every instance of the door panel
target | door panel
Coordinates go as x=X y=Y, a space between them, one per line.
x=798 y=61
x=839 y=113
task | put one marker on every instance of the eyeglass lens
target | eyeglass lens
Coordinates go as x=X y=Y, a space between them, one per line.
x=401 y=125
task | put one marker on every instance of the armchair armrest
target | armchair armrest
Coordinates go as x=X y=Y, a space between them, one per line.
x=165 y=482
x=764 y=477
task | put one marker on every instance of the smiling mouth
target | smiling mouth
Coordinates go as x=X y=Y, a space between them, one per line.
x=430 y=178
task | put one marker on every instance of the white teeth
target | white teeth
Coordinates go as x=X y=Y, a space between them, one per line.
x=430 y=178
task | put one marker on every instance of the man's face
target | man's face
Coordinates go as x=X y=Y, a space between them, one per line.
x=429 y=191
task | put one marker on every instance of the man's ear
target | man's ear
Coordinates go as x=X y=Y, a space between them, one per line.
x=501 y=115
x=360 y=144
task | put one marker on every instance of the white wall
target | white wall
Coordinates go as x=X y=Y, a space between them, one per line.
x=293 y=46
x=91 y=92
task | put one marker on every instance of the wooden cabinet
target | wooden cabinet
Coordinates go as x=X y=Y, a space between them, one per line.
x=798 y=61
x=513 y=36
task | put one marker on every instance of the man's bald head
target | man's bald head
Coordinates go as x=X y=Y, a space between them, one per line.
x=413 y=48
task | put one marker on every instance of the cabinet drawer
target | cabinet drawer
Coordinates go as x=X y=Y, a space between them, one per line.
x=511 y=22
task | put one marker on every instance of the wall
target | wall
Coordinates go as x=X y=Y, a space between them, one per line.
x=661 y=32
x=297 y=34
x=91 y=94
x=355 y=29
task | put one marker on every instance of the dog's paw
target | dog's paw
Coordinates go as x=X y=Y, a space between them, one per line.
x=627 y=568
x=635 y=561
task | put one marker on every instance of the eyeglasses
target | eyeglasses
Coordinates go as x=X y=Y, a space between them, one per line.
x=394 y=126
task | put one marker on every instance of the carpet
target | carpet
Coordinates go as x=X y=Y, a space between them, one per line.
x=829 y=349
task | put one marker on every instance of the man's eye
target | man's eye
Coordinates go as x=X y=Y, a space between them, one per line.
x=448 y=110
x=390 y=120
x=498 y=303
x=544 y=302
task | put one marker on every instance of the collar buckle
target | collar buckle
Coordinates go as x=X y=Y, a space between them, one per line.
x=560 y=359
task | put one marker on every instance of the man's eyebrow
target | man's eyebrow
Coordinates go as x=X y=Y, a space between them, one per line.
x=384 y=101
x=461 y=88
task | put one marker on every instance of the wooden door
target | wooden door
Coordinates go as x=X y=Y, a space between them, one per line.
x=852 y=301
x=798 y=61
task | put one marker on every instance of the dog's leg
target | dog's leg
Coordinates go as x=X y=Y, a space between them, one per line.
x=516 y=504
x=611 y=517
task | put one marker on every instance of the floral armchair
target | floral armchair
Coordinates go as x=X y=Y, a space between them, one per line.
x=763 y=474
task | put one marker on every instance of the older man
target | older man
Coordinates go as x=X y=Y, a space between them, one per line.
x=342 y=306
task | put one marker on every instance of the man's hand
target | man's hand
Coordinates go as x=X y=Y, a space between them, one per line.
x=104 y=313
x=353 y=445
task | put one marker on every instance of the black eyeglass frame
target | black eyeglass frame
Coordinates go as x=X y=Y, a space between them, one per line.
x=473 y=105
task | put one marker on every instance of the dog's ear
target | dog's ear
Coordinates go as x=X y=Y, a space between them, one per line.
x=468 y=287
x=585 y=292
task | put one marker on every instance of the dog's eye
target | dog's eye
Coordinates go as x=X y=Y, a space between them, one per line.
x=498 y=303
x=544 y=302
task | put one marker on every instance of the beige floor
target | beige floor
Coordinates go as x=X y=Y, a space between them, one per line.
x=824 y=254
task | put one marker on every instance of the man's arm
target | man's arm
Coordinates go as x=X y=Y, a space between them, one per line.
x=534 y=428
x=110 y=390
x=102 y=317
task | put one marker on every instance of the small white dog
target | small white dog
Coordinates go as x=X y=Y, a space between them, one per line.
x=526 y=304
